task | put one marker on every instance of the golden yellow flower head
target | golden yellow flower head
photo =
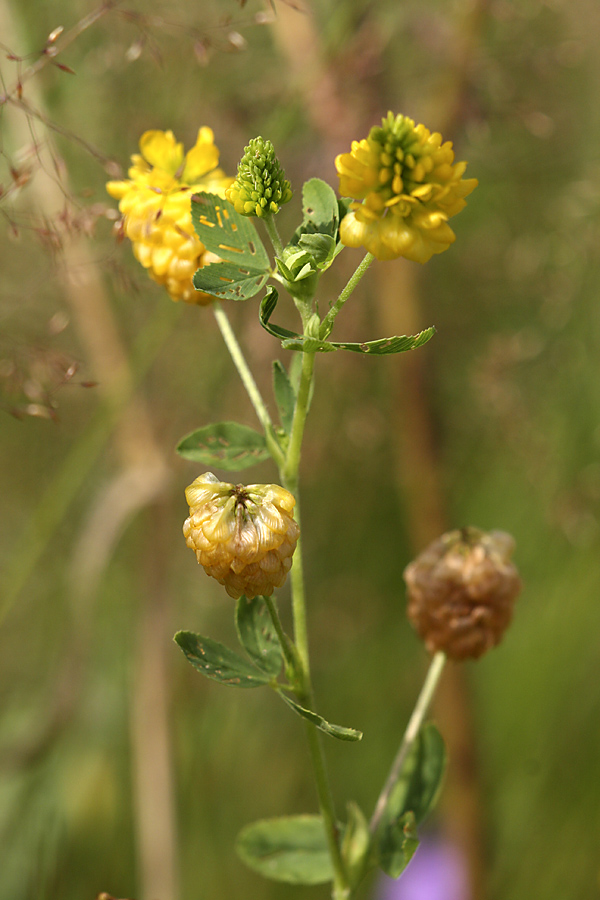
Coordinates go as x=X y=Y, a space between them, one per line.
x=243 y=535
x=156 y=207
x=407 y=186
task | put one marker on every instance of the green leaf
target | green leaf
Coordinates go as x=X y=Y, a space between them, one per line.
x=291 y=340
x=398 y=845
x=245 y=266
x=224 y=232
x=219 y=662
x=419 y=784
x=258 y=636
x=229 y=281
x=320 y=246
x=318 y=232
x=285 y=396
x=226 y=445
x=320 y=206
x=344 y=204
x=291 y=849
x=355 y=843
x=384 y=346
x=337 y=731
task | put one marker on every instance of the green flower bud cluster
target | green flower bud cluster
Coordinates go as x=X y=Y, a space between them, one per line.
x=260 y=186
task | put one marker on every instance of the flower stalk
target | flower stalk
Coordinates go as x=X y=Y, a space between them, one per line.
x=271 y=228
x=327 y=323
x=419 y=712
x=248 y=381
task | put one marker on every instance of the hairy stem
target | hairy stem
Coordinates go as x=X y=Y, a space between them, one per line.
x=290 y=474
x=327 y=323
x=290 y=477
x=271 y=227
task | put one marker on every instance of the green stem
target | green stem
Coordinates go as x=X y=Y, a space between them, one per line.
x=269 y=222
x=341 y=888
x=290 y=477
x=327 y=323
x=289 y=473
x=289 y=469
x=412 y=730
x=248 y=381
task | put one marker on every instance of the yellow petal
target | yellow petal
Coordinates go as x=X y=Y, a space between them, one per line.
x=202 y=158
x=118 y=189
x=161 y=150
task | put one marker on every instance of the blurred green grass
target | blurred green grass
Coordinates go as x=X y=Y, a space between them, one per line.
x=514 y=378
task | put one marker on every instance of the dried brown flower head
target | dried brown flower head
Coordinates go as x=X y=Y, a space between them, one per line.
x=461 y=592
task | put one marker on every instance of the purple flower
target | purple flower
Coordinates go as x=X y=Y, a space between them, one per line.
x=436 y=872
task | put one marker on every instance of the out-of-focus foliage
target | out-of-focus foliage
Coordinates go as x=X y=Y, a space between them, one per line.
x=514 y=376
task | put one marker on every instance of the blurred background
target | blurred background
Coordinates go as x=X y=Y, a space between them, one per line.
x=121 y=769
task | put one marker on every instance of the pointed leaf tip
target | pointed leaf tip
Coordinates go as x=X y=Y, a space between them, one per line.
x=341 y=732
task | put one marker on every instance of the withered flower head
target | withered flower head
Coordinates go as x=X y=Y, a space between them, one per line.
x=461 y=592
x=243 y=535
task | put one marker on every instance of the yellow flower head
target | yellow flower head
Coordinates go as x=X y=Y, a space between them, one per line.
x=243 y=535
x=156 y=207
x=407 y=186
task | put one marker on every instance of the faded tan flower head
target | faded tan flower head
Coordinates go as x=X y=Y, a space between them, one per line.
x=406 y=186
x=156 y=206
x=243 y=535
x=461 y=592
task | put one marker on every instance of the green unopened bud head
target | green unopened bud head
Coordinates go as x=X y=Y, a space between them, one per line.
x=260 y=187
